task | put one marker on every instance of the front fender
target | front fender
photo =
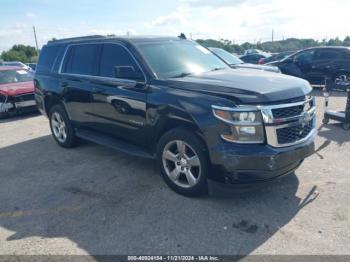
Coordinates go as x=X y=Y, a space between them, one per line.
x=171 y=108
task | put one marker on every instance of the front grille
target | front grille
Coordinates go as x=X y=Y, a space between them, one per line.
x=287 y=111
x=289 y=124
x=293 y=134
x=23 y=98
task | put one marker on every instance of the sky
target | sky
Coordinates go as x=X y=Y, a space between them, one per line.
x=235 y=20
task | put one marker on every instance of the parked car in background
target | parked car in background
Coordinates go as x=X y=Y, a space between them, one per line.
x=314 y=64
x=32 y=66
x=16 y=91
x=275 y=57
x=252 y=58
x=16 y=64
x=235 y=62
x=173 y=100
x=254 y=51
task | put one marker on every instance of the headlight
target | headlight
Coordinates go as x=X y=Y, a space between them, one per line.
x=245 y=124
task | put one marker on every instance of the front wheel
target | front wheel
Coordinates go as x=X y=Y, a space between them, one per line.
x=183 y=161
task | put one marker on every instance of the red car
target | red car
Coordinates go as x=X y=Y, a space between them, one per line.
x=16 y=91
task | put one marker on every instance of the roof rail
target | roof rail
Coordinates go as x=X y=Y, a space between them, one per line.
x=76 y=38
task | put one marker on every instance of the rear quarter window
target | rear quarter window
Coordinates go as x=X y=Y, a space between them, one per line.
x=47 y=58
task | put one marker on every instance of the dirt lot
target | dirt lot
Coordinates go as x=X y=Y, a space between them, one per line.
x=93 y=200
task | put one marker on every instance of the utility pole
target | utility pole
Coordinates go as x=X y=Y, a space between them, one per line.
x=272 y=35
x=36 y=41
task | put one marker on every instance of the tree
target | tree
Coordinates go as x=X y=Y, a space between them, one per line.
x=346 y=41
x=335 y=42
x=290 y=44
x=23 y=53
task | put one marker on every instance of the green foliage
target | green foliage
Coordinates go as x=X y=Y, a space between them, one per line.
x=290 y=44
x=25 y=54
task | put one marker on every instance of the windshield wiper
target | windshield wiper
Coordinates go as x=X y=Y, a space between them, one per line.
x=181 y=75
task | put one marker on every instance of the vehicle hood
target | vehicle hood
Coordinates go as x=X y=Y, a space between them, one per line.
x=245 y=85
x=19 y=88
x=258 y=67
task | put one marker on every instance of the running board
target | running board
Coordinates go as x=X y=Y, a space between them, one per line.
x=114 y=143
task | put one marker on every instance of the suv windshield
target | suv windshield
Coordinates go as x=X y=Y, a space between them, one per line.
x=178 y=58
x=14 y=76
x=226 y=56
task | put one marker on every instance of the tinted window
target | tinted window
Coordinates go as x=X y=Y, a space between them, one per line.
x=112 y=56
x=81 y=59
x=328 y=54
x=47 y=58
x=306 y=56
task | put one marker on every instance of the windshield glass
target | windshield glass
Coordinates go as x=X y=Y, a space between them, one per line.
x=226 y=56
x=178 y=58
x=14 y=76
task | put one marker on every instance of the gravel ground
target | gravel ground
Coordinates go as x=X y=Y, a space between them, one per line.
x=93 y=200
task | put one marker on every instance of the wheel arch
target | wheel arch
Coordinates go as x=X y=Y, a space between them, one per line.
x=50 y=100
x=173 y=123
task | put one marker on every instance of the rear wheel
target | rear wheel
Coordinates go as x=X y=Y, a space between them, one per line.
x=61 y=127
x=183 y=161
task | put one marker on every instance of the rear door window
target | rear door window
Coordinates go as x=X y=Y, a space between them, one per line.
x=81 y=59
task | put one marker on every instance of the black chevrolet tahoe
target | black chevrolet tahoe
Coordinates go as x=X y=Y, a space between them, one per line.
x=172 y=100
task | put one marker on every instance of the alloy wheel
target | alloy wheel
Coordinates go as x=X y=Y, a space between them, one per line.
x=59 y=127
x=181 y=164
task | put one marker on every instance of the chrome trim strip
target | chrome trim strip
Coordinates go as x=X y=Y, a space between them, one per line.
x=278 y=106
x=241 y=142
x=272 y=136
x=119 y=81
x=100 y=43
x=269 y=119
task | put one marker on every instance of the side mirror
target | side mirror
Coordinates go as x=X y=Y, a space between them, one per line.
x=127 y=72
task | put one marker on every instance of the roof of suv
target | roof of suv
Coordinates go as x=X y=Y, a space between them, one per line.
x=120 y=38
x=329 y=47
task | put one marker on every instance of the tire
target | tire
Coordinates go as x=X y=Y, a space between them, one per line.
x=346 y=126
x=325 y=121
x=183 y=160
x=61 y=127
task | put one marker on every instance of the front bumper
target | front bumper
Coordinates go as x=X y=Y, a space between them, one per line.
x=11 y=106
x=248 y=164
